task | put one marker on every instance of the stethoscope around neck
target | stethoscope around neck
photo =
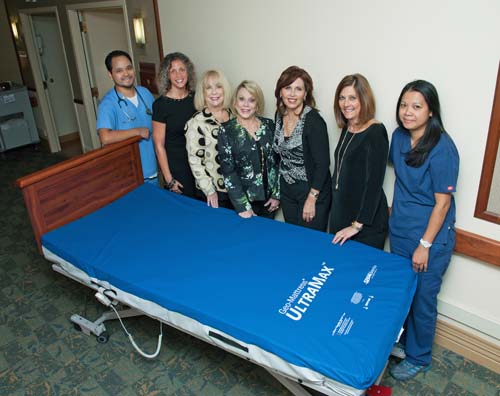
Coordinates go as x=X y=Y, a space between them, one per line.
x=120 y=100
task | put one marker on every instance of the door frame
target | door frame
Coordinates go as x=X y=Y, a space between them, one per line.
x=81 y=61
x=25 y=16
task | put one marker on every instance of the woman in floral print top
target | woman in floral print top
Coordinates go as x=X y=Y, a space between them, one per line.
x=248 y=163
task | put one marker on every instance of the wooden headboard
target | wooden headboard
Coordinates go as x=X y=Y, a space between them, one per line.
x=71 y=189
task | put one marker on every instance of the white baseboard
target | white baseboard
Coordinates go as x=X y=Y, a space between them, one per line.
x=481 y=322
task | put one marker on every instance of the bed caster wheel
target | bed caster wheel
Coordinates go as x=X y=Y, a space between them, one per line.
x=103 y=337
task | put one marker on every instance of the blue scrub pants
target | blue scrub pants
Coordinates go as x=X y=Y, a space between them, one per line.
x=421 y=321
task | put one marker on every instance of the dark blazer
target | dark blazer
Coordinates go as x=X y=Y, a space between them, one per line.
x=316 y=152
x=240 y=163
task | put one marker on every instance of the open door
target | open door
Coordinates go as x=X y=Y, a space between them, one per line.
x=96 y=24
x=41 y=84
x=89 y=23
x=54 y=73
x=44 y=44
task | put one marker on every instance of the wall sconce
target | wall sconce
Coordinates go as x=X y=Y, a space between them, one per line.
x=15 y=32
x=140 y=37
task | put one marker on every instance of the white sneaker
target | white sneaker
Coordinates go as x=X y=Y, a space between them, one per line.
x=398 y=350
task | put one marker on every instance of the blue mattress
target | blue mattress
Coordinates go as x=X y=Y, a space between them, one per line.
x=333 y=309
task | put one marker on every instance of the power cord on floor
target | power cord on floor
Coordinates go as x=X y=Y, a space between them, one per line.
x=105 y=300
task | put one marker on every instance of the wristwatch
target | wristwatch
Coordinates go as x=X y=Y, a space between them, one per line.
x=425 y=244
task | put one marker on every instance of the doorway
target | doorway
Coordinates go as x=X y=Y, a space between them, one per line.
x=51 y=74
x=54 y=73
x=89 y=23
x=109 y=23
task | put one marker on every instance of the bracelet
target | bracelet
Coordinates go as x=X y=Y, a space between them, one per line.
x=171 y=184
x=314 y=194
x=356 y=227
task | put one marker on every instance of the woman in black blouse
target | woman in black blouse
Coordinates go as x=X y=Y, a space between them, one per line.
x=359 y=206
x=301 y=140
x=176 y=81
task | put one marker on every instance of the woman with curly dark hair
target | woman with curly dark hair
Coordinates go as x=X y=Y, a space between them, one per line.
x=176 y=81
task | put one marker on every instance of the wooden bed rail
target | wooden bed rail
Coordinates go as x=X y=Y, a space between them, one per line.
x=74 y=188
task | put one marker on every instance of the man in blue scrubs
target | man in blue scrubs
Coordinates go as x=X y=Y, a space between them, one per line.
x=125 y=111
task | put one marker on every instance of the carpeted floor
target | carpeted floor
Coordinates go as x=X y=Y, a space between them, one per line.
x=42 y=354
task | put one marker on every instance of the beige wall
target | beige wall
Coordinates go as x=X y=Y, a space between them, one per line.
x=150 y=52
x=453 y=44
x=135 y=7
x=9 y=67
x=494 y=199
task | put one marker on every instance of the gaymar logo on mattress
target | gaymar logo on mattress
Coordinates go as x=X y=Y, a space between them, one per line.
x=304 y=294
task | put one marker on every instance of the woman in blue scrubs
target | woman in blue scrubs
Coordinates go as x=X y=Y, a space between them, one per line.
x=422 y=222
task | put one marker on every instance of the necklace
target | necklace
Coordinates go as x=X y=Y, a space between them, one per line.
x=340 y=161
x=289 y=126
x=262 y=158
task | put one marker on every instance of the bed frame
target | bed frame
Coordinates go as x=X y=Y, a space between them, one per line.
x=76 y=187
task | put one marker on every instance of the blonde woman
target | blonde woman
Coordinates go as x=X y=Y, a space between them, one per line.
x=248 y=162
x=212 y=100
x=171 y=111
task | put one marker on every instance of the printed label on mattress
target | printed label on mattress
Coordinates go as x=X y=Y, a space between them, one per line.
x=370 y=275
x=358 y=297
x=344 y=325
x=302 y=297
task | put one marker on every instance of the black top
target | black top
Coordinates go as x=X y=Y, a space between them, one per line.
x=174 y=113
x=315 y=150
x=362 y=159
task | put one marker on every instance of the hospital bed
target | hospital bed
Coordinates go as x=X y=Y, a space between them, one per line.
x=311 y=313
